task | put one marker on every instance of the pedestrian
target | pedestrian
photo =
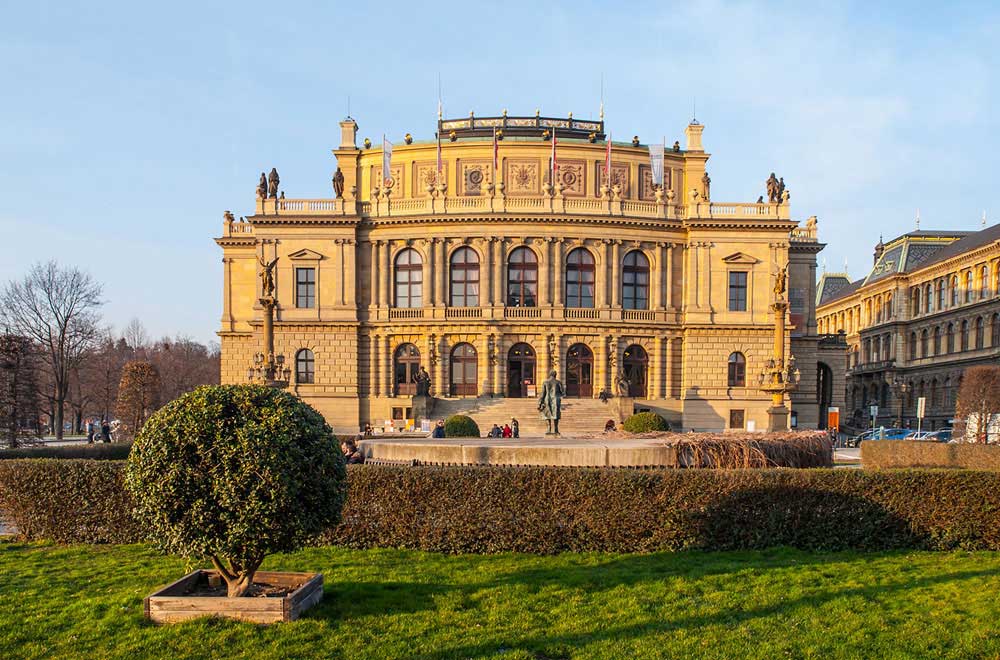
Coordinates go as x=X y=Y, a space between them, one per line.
x=369 y=431
x=609 y=426
x=90 y=431
x=438 y=429
x=105 y=431
x=495 y=432
x=506 y=431
x=515 y=428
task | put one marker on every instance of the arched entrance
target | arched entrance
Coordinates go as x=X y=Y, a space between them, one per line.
x=579 y=371
x=464 y=371
x=634 y=364
x=520 y=370
x=405 y=366
x=824 y=391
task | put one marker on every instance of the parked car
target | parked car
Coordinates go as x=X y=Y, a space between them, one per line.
x=919 y=435
x=881 y=434
x=943 y=435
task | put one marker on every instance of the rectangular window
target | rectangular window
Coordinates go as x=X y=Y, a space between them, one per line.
x=737 y=419
x=737 y=292
x=305 y=287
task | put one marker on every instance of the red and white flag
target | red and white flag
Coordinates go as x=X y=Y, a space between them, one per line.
x=607 y=162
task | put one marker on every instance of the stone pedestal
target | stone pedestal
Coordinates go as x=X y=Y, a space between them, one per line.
x=623 y=408
x=422 y=407
x=777 y=418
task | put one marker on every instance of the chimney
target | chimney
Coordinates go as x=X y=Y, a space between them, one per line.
x=348 y=134
x=693 y=133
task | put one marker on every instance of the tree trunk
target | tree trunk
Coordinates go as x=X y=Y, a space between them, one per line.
x=238 y=579
x=59 y=420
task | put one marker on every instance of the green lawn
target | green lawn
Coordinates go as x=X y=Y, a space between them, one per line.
x=86 y=602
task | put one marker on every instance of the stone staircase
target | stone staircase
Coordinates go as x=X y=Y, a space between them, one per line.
x=578 y=415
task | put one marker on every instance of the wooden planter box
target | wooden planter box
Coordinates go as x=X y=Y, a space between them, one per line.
x=170 y=603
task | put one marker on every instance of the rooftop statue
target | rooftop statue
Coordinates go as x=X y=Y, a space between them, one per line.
x=267 y=275
x=338 y=184
x=272 y=183
x=706 y=182
x=550 y=402
x=772 y=189
x=781 y=189
x=262 y=187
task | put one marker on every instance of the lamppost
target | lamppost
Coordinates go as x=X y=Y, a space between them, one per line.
x=900 y=387
x=779 y=376
x=267 y=368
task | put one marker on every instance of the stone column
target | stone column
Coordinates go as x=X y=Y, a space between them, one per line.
x=691 y=276
x=374 y=381
x=498 y=381
x=339 y=279
x=350 y=272
x=705 y=269
x=496 y=280
x=544 y=365
x=426 y=273
x=373 y=292
x=601 y=378
x=445 y=384
x=544 y=277
x=670 y=367
x=227 y=293
x=385 y=269
x=656 y=278
x=603 y=278
x=440 y=271
x=387 y=366
x=430 y=269
x=658 y=374
x=670 y=277
x=616 y=271
x=558 y=277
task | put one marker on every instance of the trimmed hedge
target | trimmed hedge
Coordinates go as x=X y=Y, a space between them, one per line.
x=461 y=426
x=926 y=454
x=645 y=422
x=548 y=510
x=99 y=451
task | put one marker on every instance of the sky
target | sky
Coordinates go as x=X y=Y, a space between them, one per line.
x=127 y=129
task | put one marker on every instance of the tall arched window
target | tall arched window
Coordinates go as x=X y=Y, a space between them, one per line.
x=965 y=336
x=950 y=338
x=580 y=279
x=923 y=343
x=913 y=345
x=305 y=366
x=737 y=370
x=937 y=340
x=979 y=332
x=928 y=298
x=984 y=283
x=464 y=278
x=888 y=307
x=968 y=286
x=522 y=278
x=409 y=279
x=464 y=370
x=934 y=393
x=635 y=281
x=940 y=294
x=916 y=300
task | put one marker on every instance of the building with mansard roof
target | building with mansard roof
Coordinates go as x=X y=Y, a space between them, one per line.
x=928 y=309
x=489 y=271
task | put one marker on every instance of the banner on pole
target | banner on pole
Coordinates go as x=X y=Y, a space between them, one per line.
x=386 y=159
x=656 y=163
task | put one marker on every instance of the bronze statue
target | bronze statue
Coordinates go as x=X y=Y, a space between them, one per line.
x=550 y=402
x=760 y=200
x=779 y=282
x=677 y=146
x=772 y=188
x=262 y=187
x=706 y=182
x=781 y=190
x=423 y=382
x=338 y=184
x=267 y=275
x=272 y=183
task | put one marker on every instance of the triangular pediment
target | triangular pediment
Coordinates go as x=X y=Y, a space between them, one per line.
x=740 y=258
x=305 y=255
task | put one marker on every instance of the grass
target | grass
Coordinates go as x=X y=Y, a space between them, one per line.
x=86 y=602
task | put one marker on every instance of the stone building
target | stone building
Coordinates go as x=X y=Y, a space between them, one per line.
x=929 y=308
x=488 y=275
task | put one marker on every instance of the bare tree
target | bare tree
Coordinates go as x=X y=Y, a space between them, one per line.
x=135 y=336
x=20 y=410
x=978 y=403
x=57 y=309
x=184 y=364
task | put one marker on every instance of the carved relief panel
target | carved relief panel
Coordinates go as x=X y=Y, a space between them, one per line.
x=475 y=175
x=395 y=179
x=571 y=175
x=425 y=174
x=646 y=190
x=521 y=177
x=619 y=176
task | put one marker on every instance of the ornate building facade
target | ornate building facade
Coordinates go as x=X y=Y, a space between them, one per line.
x=467 y=260
x=929 y=308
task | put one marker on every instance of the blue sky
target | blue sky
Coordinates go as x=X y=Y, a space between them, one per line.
x=126 y=129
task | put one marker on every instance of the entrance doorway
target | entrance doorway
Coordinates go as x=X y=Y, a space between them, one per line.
x=579 y=371
x=634 y=363
x=464 y=371
x=521 y=371
x=406 y=366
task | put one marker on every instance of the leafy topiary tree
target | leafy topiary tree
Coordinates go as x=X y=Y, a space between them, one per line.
x=234 y=473
x=645 y=422
x=138 y=397
x=461 y=426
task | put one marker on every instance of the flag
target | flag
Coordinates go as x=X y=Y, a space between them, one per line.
x=496 y=153
x=656 y=163
x=607 y=162
x=386 y=159
x=555 y=166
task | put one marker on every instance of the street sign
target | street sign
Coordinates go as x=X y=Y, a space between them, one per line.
x=874 y=411
x=921 y=405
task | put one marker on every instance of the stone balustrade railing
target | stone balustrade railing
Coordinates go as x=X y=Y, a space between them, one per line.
x=387 y=207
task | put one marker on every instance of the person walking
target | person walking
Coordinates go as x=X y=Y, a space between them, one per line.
x=515 y=428
x=105 y=431
x=90 y=431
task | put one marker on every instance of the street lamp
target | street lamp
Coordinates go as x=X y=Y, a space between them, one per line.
x=900 y=387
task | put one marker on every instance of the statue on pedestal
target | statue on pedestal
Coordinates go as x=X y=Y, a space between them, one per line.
x=622 y=384
x=706 y=183
x=272 y=183
x=779 y=282
x=423 y=382
x=550 y=402
x=772 y=189
x=338 y=184
x=262 y=187
x=267 y=275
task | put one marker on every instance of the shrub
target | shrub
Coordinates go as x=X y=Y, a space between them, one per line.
x=138 y=396
x=927 y=454
x=645 y=422
x=461 y=426
x=98 y=451
x=235 y=473
x=549 y=510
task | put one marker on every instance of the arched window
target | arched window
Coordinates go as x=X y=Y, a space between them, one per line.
x=737 y=370
x=923 y=343
x=979 y=332
x=940 y=294
x=913 y=345
x=635 y=281
x=950 y=338
x=522 y=278
x=968 y=286
x=954 y=290
x=937 y=340
x=965 y=335
x=984 y=283
x=580 y=279
x=464 y=370
x=878 y=311
x=928 y=298
x=464 y=278
x=888 y=307
x=934 y=393
x=305 y=366
x=409 y=279
x=405 y=367
x=916 y=300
